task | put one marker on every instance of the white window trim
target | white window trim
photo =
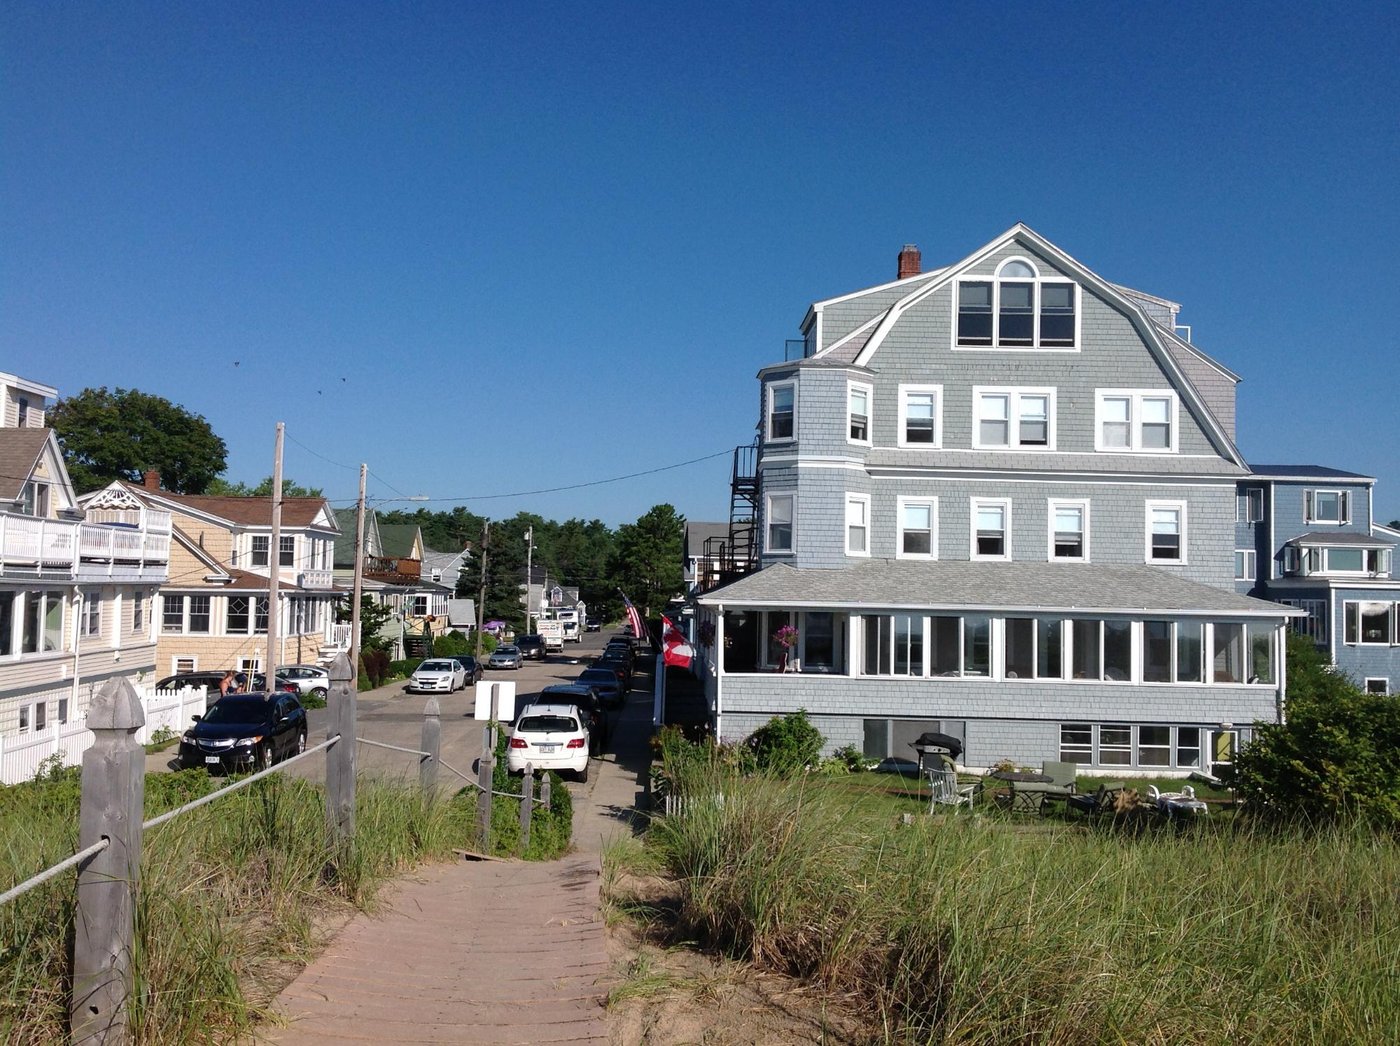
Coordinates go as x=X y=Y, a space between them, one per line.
x=1251 y=565
x=932 y=504
x=904 y=393
x=768 y=412
x=1057 y=503
x=976 y=504
x=1343 y=506
x=767 y=525
x=1013 y=426
x=90 y=617
x=869 y=390
x=864 y=500
x=1135 y=398
x=1383 y=680
x=1039 y=281
x=1180 y=508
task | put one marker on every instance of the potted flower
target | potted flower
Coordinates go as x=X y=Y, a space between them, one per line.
x=785 y=637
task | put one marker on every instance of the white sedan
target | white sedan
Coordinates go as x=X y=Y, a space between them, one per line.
x=437 y=675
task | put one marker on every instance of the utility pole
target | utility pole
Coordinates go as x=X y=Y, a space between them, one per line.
x=481 y=603
x=359 y=573
x=529 y=574
x=274 y=564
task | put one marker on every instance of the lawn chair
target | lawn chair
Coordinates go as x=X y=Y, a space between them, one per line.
x=947 y=792
x=1101 y=801
x=1182 y=804
x=1060 y=786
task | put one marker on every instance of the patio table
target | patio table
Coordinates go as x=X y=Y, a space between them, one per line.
x=1024 y=801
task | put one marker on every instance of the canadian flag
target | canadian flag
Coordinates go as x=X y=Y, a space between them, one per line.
x=677 y=649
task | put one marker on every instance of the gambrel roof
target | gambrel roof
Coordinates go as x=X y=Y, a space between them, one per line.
x=1177 y=358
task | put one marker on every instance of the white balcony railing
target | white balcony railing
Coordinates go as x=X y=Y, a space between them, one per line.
x=30 y=546
x=316 y=579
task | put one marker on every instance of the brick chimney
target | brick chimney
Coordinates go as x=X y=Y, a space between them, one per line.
x=151 y=480
x=909 y=261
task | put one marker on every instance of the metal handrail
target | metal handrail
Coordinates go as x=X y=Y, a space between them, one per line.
x=394 y=748
x=98 y=847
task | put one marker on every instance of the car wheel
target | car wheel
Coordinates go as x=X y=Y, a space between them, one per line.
x=318 y=692
x=301 y=742
x=264 y=759
x=582 y=775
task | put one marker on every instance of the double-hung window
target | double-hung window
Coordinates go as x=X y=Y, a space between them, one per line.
x=90 y=623
x=1166 y=532
x=172 y=618
x=782 y=410
x=1136 y=421
x=1013 y=418
x=919 y=416
x=1244 y=564
x=1326 y=506
x=1249 y=505
x=1069 y=530
x=779 y=522
x=286 y=550
x=261 y=544
x=858 y=413
x=918 y=528
x=857 y=524
x=991 y=529
x=1018 y=309
x=138 y=612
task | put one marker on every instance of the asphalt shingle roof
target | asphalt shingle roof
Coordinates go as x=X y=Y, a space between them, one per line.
x=19 y=450
x=1302 y=472
x=964 y=585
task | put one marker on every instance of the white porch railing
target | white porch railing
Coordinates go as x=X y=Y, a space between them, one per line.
x=21 y=755
x=316 y=579
x=31 y=545
x=340 y=635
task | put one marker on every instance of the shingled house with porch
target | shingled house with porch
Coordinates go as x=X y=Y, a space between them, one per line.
x=996 y=500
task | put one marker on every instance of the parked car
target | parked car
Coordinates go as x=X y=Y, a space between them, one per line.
x=623 y=670
x=245 y=731
x=604 y=680
x=593 y=624
x=210 y=682
x=531 y=647
x=471 y=666
x=436 y=675
x=549 y=737
x=590 y=704
x=310 y=680
x=504 y=657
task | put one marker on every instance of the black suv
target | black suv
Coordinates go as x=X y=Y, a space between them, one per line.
x=531 y=647
x=245 y=731
x=589 y=705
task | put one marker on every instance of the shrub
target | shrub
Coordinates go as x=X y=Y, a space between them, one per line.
x=403 y=669
x=452 y=643
x=786 y=745
x=1337 y=755
x=375 y=665
x=551 y=828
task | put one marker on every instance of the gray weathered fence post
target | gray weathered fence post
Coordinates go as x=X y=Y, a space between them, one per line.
x=340 y=757
x=114 y=791
x=544 y=790
x=527 y=800
x=485 y=777
x=432 y=744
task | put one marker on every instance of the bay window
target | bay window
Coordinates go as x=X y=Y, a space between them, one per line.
x=858 y=411
x=782 y=411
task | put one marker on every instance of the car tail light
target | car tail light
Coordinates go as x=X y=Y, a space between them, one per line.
x=576 y=742
x=518 y=742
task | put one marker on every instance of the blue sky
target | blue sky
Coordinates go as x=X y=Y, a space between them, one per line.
x=492 y=248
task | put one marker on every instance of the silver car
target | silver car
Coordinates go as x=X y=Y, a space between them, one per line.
x=310 y=680
x=504 y=657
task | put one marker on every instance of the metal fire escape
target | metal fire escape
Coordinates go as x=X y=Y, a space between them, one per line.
x=730 y=558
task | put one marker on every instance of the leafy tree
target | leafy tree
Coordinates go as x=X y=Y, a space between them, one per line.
x=1337 y=755
x=109 y=435
x=373 y=617
x=290 y=489
x=648 y=564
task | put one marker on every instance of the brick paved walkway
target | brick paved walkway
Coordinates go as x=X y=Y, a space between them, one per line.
x=476 y=952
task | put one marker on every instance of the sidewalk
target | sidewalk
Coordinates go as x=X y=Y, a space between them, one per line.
x=483 y=951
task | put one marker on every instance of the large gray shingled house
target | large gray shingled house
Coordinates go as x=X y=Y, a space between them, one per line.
x=995 y=499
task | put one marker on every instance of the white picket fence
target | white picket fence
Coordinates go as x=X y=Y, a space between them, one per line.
x=21 y=756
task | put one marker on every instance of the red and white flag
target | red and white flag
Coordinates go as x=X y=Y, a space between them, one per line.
x=676 y=648
x=634 y=618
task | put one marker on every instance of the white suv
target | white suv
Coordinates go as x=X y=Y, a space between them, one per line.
x=549 y=737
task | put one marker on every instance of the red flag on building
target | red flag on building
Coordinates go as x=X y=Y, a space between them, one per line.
x=634 y=618
x=676 y=649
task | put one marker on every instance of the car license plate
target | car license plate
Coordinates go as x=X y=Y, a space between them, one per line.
x=211 y=759
x=548 y=748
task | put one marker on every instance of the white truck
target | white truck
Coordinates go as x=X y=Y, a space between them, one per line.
x=552 y=632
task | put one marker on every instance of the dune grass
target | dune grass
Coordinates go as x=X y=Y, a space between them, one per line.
x=235 y=896
x=975 y=929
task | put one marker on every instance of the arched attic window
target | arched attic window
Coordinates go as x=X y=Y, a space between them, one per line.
x=1018 y=309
